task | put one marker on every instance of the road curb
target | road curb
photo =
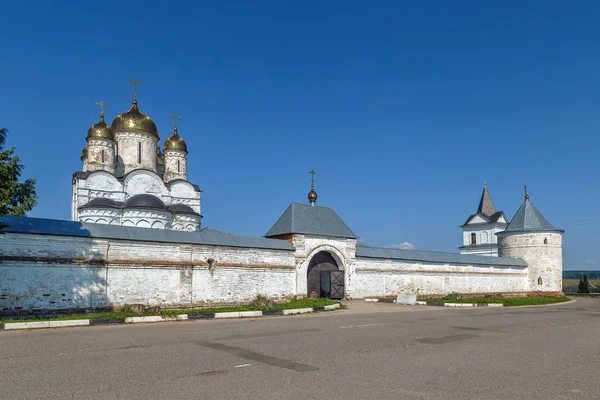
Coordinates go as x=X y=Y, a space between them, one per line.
x=158 y=318
x=440 y=304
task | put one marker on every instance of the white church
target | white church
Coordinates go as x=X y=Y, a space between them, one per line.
x=136 y=238
x=126 y=178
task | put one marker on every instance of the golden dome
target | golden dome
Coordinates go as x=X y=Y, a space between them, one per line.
x=84 y=152
x=134 y=120
x=312 y=196
x=175 y=142
x=100 y=130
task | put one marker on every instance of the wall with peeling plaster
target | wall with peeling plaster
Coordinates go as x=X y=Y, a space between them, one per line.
x=44 y=272
x=48 y=272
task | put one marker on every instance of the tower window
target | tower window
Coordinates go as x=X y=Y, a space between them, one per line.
x=545 y=240
x=178 y=166
x=139 y=152
x=102 y=156
x=473 y=238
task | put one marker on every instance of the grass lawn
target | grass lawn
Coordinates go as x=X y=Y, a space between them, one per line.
x=298 y=303
x=507 y=302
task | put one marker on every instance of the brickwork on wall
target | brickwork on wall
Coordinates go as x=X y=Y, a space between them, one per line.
x=48 y=272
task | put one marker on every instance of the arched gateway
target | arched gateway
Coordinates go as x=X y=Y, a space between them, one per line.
x=324 y=277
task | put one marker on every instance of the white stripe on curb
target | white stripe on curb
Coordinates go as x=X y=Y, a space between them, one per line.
x=372 y=300
x=135 y=320
x=151 y=318
x=423 y=303
x=244 y=314
x=46 y=324
x=297 y=311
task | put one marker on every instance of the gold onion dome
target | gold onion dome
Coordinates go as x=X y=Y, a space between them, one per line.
x=175 y=142
x=100 y=130
x=312 y=196
x=134 y=120
x=84 y=152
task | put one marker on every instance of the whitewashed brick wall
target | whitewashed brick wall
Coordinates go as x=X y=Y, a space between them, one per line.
x=373 y=278
x=45 y=272
x=57 y=272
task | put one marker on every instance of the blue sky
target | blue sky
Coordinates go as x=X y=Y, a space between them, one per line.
x=403 y=109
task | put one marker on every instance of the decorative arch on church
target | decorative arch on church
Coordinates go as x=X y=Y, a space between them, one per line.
x=324 y=277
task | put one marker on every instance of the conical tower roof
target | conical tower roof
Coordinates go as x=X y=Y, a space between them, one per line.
x=486 y=205
x=529 y=218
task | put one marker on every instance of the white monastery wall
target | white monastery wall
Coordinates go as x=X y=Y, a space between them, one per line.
x=44 y=272
x=378 y=277
x=47 y=272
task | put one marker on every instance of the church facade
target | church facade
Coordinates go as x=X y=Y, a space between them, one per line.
x=128 y=180
x=136 y=238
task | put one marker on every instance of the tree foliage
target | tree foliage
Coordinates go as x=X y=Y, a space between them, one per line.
x=584 y=285
x=16 y=198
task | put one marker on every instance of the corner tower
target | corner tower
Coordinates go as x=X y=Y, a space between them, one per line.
x=530 y=237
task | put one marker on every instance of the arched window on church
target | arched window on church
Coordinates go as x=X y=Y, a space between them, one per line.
x=139 y=152
x=473 y=238
x=178 y=166
x=102 y=156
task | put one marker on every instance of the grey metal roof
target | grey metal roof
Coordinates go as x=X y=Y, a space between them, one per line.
x=490 y=219
x=146 y=201
x=435 y=257
x=182 y=209
x=310 y=220
x=102 y=202
x=529 y=218
x=486 y=205
x=206 y=236
x=486 y=208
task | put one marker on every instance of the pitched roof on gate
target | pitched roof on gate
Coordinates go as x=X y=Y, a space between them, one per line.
x=310 y=220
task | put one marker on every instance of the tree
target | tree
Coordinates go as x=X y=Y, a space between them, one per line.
x=15 y=198
x=585 y=287
x=580 y=286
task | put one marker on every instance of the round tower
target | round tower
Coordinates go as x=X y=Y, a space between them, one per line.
x=175 y=156
x=530 y=237
x=99 y=153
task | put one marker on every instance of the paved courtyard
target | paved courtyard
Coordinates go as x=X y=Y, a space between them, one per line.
x=370 y=351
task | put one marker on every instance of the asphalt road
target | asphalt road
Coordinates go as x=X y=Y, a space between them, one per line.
x=371 y=351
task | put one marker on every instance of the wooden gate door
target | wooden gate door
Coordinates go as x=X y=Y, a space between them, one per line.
x=337 y=285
